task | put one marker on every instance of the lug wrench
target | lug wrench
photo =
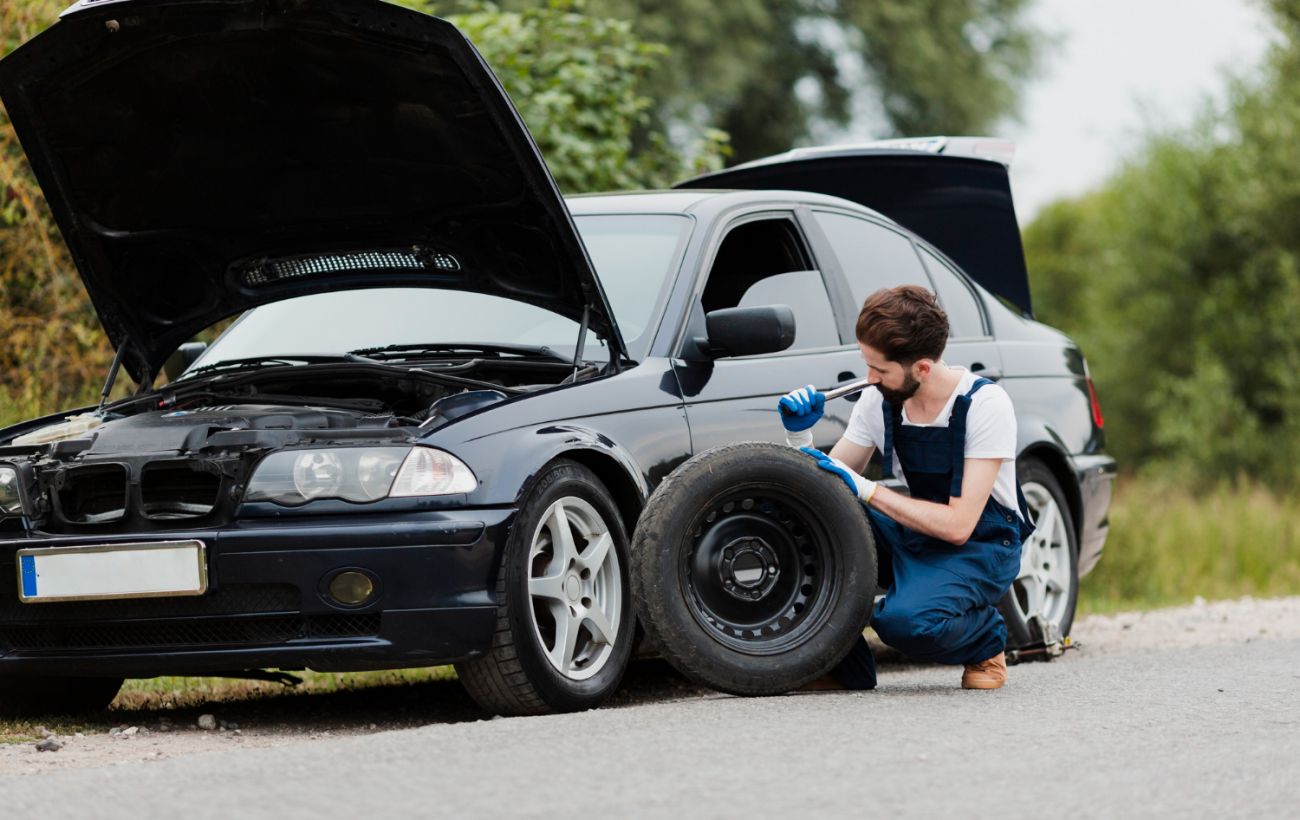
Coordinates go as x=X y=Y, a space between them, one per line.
x=846 y=389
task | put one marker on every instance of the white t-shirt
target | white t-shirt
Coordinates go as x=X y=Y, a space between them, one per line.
x=990 y=430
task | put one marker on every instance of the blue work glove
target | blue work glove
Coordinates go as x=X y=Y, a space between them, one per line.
x=802 y=408
x=861 y=487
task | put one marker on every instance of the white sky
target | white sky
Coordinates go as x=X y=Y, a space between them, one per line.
x=1122 y=66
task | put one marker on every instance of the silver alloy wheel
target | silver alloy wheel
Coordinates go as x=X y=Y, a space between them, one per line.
x=575 y=587
x=1042 y=586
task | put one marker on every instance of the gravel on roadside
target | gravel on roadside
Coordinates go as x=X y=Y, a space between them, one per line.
x=1201 y=623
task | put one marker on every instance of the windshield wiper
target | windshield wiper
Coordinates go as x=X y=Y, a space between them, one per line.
x=439 y=376
x=415 y=351
x=261 y=361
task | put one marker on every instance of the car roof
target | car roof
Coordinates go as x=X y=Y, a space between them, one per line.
x=699 y=200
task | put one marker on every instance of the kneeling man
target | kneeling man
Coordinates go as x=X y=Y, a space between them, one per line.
x=949 y=550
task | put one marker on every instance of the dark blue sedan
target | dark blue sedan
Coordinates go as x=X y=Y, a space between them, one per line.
x=448 y=394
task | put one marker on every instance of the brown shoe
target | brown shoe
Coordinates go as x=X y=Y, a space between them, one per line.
x=989 y=674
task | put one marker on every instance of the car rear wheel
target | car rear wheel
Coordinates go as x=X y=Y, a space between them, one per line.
x=564 y=618
x=26 y=696
x=752 y=569
x=1047 y=584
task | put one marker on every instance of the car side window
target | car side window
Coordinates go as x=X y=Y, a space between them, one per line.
x=965 y=319
x=764 y=262
x=871 y=255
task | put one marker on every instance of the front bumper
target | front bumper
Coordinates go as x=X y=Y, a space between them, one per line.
x=266 y=605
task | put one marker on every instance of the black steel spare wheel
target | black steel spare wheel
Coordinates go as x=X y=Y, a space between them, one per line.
x=752 y=569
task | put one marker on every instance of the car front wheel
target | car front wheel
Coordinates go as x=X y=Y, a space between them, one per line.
x=564 y=618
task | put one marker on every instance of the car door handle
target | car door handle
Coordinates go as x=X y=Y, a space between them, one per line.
x=990 y=373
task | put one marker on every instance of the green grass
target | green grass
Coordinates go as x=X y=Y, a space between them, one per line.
x=1169 y=544
x=19 y=730
x=181 y=693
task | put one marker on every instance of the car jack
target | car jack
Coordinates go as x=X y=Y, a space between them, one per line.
x=1045 y=643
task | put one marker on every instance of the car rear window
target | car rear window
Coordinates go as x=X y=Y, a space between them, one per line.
x=965 y=319
x=871 y=255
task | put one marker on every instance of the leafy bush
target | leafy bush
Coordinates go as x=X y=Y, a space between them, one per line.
x=575 y=80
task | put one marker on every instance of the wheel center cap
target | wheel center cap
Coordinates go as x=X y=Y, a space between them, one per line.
x=749 y=568
x=573 y=588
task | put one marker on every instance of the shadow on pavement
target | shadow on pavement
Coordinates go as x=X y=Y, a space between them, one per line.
x=401 y=705
x=385 y=706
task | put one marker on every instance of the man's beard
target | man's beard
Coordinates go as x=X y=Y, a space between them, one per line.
x=907 y=391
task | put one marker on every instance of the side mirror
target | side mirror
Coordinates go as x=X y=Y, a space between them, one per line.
x=185 y=355
x=745 y=331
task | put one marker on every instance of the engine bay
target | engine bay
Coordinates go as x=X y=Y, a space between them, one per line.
x=185 y=452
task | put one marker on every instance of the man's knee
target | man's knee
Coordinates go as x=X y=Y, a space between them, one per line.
x=908 y=629
x=922 y=632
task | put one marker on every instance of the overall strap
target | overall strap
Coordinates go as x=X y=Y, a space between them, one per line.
x=1026 y=526
x=892 y=416
x=957 y=429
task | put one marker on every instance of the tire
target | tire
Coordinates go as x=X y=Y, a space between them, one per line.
x=546 y=590
x=28 y=696
x=752 y=569
x=1048 y=581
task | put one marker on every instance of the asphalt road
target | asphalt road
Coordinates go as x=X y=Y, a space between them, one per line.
x=1201 y=731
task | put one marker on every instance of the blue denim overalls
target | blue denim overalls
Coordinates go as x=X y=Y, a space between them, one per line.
x=940 y=603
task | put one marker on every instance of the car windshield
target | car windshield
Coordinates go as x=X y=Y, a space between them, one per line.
x=635 y=257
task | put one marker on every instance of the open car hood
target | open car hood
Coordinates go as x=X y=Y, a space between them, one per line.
x=202 y=157
x=953 y=191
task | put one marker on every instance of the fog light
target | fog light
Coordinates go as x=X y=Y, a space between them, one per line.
x=352 y=588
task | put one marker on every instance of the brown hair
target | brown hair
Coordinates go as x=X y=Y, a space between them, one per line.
x=904 y=323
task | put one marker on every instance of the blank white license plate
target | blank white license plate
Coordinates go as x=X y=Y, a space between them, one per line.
x=149 y=570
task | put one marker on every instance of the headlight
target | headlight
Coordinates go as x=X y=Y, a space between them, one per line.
x=11 y=502
x=318 y=474
x=358 y=474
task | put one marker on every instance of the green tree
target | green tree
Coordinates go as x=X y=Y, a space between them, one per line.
x=577 y=80
x=927 y=66
x=1181 y=278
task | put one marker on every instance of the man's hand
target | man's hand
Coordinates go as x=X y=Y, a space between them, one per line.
x=802 y=408
x=863 y=488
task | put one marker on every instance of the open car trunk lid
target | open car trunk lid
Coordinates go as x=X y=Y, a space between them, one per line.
x=202 y=157
x=943 y=189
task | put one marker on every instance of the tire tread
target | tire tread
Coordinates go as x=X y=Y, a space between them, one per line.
x=498 y=681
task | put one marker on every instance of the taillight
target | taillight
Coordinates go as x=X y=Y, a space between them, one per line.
x=1097 y=418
